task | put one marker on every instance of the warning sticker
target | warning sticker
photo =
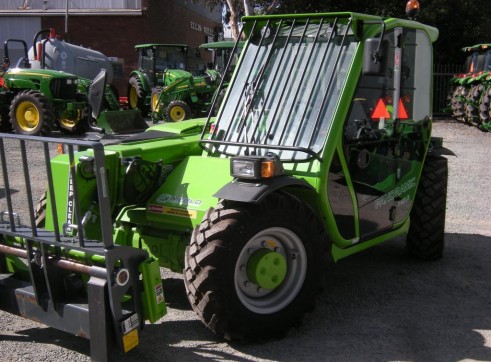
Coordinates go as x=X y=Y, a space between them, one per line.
x=159 y=209
x=130 y=340
x=175 y=211
x=179 y=212
x=159 y=293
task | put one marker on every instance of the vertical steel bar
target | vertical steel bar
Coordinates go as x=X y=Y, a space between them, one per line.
x=8 y=198
x=51 y=192
x=76 y=203
x=27 y=183
x=103 y=194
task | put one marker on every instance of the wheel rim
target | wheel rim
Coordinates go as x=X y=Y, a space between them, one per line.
x=133 y=98
x=68 y=122
x=27 y=115
x=274 y=243
x=177 y=113
x=155 y=103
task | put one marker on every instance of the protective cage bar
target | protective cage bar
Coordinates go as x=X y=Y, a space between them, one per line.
x=253 y=82
x=53 y=291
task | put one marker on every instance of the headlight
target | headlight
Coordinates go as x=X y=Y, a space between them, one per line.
x=255 y=168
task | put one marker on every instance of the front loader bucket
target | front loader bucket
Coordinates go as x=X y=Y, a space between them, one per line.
x=124 y=121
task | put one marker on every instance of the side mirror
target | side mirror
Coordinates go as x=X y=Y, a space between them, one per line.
x=375 y=56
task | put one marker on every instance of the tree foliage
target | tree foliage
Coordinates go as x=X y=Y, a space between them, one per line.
x=460 y=22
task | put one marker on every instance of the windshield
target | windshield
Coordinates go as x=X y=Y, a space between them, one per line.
x=286 y=89
x=170 y=58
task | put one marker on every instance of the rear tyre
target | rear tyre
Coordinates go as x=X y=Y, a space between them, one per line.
x=253 y=270
x=458 y=103
x=137 y=95
x=178 y=111
x=472 y=104
x=485 y=110
x=426 y=236
x=31 y=114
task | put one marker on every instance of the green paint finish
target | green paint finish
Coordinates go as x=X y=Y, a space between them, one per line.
x=266 y=268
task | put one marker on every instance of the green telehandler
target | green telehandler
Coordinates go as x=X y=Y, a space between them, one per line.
x=321 y=149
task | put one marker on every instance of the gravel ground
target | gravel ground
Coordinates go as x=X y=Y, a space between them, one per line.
x=379 y=305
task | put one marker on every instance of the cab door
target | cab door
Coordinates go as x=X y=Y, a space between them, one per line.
x=387 y=131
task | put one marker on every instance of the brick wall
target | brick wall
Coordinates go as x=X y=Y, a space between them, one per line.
x=115 y=36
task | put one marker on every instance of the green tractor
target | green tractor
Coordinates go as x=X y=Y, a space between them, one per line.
x=55 y=54
x=321 y=149
x=153 y=61
x=36 y=101
x=183 y=96
x=470 y=90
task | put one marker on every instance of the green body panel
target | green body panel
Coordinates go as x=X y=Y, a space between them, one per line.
x=187 y=194
x=154 y=306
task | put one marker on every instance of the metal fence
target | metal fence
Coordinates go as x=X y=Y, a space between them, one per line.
x=441 y=82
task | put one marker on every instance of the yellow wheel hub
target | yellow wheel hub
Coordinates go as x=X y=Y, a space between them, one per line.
x=177 y=113
x=133 y=99
x=155 y=103
x=70 y=122
x=27 y=115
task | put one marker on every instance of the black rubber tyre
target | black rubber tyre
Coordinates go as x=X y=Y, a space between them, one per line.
x=472 y=104
x=426 y=236
x=31 y=114
x=219 y=256
x=458 y=103
x=137 y=95
x=485 y=107
x=177 y=111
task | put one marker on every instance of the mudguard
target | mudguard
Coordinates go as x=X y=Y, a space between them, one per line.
x=254 y=191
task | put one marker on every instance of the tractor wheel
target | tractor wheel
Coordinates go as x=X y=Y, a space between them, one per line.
x=137 y=95
x=485 y=109
x=253 y=270
x=458 y=103
x=425 y=239
x=178 y=111
x=472 y=104
x=155 y=105
x=31 y=114
x=74 y=125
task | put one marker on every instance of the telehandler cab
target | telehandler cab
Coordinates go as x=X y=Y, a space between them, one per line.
x=321 y=149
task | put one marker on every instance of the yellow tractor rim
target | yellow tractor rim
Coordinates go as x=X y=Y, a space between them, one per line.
x=133 y=98
x=177 y=113
x=70 y=122
x=155 y=103
x=27 y=115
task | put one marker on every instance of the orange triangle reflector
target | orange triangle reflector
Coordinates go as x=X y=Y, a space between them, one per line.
x=380 y=111
x=401 y=111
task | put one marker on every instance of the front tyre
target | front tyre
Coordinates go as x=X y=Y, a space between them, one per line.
x=178 y=111
x=253 y=270
x=31 y=114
